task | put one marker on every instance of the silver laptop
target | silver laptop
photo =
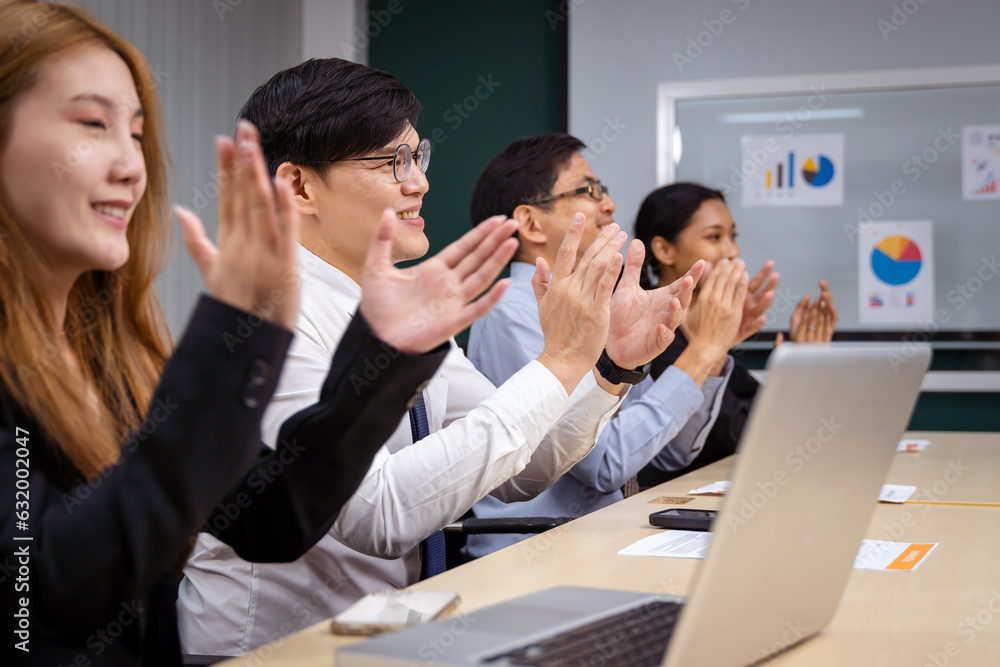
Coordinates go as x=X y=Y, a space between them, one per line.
x=815 y=452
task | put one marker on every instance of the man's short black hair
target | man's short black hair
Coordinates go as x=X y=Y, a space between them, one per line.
x=525 y=170
x=328 y=109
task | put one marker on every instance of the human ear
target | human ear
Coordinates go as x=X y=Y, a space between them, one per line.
x=663 y=251
x=303 y=182
x=529 y=227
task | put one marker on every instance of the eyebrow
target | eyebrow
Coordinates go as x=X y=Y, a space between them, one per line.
x=105 y=102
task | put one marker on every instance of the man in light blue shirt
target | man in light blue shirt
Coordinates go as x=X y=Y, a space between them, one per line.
x=543 y=182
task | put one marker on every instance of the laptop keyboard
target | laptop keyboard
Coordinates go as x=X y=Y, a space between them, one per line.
x=637 y=637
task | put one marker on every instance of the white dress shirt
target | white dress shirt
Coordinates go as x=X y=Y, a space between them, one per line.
x=664 y=422
x=513 y=442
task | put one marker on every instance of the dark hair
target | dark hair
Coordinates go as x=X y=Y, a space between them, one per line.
x=328 y=109
x=666 y=212
x=525 y=170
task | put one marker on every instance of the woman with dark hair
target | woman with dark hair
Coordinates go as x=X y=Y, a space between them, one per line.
x=114 y=448
x=680 y=224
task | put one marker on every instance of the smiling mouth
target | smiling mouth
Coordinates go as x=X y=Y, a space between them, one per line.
x=113 y=211
x=409 y=215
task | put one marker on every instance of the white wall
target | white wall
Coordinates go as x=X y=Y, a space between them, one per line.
x=620 y=51
x=209 y=56
x=335 y=29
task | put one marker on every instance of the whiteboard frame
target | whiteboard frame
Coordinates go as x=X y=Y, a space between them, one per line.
x=668 y=94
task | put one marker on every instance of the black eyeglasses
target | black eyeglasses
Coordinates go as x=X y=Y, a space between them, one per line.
x=595 y=189
x=401 y=159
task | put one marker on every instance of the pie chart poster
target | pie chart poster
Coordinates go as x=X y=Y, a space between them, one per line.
x=896 y=273
x=804 y=170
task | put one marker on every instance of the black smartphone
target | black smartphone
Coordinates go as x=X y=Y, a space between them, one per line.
x=682 y=519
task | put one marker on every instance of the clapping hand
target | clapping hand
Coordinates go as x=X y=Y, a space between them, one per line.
x=813 y=322
x=418 y=308
x=574 y=301
x=643 y=321
x=254 y=267
x=760 y=294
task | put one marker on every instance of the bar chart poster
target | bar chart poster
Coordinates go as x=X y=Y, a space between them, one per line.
x=980 y=162
x=896 y=272
x=804 y=170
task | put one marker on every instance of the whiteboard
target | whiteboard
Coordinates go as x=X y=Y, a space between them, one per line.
x=902 y=161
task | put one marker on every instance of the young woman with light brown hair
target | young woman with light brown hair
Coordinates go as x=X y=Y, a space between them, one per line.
x=114 y=448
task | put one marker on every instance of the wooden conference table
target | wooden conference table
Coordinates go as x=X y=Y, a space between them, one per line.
x=946 y=613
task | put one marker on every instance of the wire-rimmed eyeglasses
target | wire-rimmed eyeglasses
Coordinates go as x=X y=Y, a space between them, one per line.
x=401 y=159
x=595 y=189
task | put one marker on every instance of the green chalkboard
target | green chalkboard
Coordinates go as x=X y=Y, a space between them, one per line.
x=486 y=72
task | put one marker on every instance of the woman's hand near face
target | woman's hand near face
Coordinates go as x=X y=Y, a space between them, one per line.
x=760 y=294
x=254 y=267
x=713 y=320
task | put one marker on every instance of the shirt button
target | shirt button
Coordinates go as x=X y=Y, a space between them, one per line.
x=255 y=380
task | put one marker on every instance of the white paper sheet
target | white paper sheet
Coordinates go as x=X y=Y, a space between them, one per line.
x=714 y=489
x=896 y=493
x=872 y=555
x=896 y=272
x=801 y=170
x=980 y=162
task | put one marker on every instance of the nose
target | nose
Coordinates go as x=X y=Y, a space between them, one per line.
x=129 y=164
x=415 y=181
x=729 y=249
x=607 y=204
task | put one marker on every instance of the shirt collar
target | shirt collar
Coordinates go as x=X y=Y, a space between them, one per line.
x=313 y=267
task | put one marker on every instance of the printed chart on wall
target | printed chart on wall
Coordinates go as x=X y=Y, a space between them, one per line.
x=896 y=272
x=806 y=170
x=980 y=162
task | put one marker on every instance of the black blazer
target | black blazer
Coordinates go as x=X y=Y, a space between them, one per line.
x=725 y=433
x=87 y=567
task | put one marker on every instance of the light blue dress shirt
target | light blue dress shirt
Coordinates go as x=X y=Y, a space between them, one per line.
x=663 y=422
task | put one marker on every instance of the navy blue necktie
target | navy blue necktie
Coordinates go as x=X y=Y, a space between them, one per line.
x=432 y=550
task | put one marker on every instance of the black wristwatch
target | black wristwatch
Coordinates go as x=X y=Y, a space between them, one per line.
x=615 y=374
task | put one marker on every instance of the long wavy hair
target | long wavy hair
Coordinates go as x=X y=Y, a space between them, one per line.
x=113 y=322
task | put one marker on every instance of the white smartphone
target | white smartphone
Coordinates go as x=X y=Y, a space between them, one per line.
x=392 y=610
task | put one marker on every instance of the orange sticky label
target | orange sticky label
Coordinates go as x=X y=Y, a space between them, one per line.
x=911 y=556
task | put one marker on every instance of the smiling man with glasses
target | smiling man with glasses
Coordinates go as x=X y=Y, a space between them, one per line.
x=343 y=135
x=543 y=182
